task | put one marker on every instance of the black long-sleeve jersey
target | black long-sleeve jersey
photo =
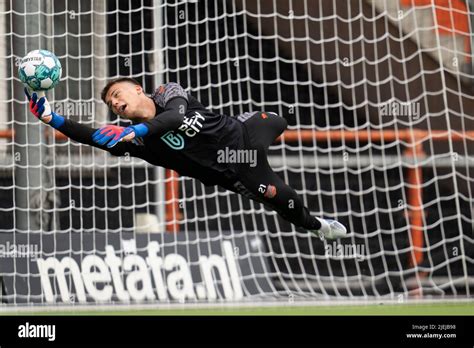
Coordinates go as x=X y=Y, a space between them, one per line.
x=184 y=136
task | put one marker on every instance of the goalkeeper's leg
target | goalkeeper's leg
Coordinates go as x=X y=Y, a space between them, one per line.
x=260 y=182
x=264 y=185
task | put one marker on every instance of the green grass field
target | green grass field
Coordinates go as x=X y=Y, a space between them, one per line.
x=466 y=308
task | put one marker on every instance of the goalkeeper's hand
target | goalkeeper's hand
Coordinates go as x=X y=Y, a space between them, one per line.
x=107 y=134
x=111 y=135
x=42 y=110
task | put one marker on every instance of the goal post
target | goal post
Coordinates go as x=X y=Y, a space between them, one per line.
x=378 y=98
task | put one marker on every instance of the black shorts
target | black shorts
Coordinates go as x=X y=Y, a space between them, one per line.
x=258 y=181
x=261 y=128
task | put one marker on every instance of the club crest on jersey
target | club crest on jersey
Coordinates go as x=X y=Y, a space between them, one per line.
x=173 y=140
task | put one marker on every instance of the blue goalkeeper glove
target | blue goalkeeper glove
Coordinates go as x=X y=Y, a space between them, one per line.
x=111 y=135
x=103 y=135
x=42 y=110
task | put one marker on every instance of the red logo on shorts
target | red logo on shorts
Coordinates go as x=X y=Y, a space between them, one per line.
x=271 y=191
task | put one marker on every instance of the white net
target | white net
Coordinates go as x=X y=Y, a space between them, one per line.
x=379 y=100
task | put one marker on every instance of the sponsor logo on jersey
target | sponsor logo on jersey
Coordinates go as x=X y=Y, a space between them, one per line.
x=191 y=126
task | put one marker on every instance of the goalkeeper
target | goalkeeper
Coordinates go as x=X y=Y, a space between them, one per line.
x=174 y=130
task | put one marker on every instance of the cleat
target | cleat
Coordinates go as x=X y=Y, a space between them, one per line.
x=330 y=229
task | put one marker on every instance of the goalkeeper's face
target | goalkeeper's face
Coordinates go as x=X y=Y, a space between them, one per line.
x=125 y=99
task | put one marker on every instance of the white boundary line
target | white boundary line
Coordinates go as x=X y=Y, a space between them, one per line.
x=225 y=305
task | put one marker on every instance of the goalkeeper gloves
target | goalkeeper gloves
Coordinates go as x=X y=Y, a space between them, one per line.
x=111 y=135
x=42 y=110
x=105 y=134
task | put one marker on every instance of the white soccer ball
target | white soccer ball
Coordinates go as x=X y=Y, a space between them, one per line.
x=40 y=70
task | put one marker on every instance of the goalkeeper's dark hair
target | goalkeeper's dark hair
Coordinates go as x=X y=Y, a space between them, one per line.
x=114 y=81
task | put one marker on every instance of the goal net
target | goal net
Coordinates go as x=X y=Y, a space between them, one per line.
x=379 y=100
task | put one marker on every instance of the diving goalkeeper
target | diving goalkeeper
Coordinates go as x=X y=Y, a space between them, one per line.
x=174 y=130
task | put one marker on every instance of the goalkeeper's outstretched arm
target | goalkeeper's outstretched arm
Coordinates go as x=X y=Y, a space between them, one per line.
x=80 y=132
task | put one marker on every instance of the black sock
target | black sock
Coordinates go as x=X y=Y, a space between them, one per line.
x=314 y=223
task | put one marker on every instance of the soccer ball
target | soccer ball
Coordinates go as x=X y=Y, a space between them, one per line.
x=40 y=70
